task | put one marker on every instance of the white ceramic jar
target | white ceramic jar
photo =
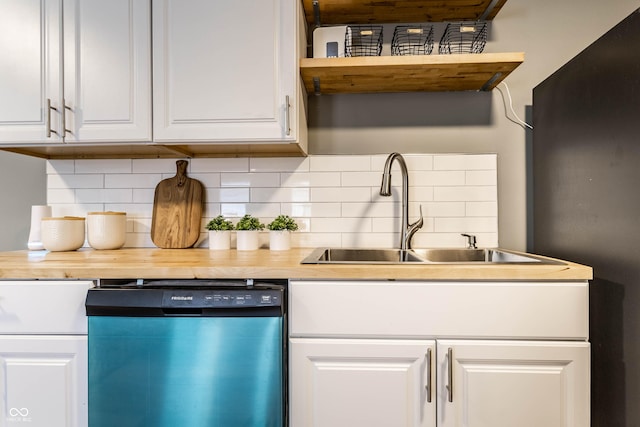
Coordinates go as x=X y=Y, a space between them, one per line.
x=62 y=233
x=106 y=230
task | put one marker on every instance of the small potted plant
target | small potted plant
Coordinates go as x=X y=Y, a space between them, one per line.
x=248 y=229
x=219 y=233
x=280 y=232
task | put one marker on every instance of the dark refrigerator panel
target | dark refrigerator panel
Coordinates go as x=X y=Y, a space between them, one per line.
x=586 y=202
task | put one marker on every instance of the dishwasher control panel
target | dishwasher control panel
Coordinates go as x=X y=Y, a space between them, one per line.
x=221 y=298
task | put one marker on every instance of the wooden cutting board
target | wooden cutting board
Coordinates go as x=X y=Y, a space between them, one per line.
x=177 y=210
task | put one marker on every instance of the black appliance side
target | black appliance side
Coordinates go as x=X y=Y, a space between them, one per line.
x=586 y=203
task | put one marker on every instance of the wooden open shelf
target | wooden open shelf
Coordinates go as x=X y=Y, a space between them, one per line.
x=428 y=73
x=332 y=12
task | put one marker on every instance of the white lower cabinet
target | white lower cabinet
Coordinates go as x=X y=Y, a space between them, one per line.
x=43 y=381
x=512 y=383
x=43 y=353
x=454 y=383
x=432 y=354
x=351 y=382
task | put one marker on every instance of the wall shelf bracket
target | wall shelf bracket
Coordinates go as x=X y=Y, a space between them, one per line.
x=316 y=85
x=316 y=12
x=488 y=10
x=489 y=84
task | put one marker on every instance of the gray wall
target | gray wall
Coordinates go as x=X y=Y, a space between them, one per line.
x=550 y=32
x=22 y=184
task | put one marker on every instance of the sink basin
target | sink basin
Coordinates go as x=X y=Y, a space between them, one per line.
x=494 y=256
x=421 y=256
x=360 y=256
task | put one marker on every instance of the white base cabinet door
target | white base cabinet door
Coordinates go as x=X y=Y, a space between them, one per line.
x=43 y=381
x=513 y=383
x=362 y=382
x=225 y=71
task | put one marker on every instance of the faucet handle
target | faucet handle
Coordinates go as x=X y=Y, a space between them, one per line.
x=418 y=224
x=471 y=241
x=413 y=228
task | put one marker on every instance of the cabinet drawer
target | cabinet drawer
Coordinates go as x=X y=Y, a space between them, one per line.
x=43 y=307
x=527 y=310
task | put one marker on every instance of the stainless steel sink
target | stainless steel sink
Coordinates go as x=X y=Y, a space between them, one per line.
x=360 y=256
x=420 y=256
x=495 y=256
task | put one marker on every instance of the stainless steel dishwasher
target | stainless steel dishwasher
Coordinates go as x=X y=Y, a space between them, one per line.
x=173 y=353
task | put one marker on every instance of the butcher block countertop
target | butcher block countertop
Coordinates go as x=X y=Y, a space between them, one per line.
x=152 y=263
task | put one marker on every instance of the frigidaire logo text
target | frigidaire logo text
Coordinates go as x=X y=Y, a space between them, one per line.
x=181 y=298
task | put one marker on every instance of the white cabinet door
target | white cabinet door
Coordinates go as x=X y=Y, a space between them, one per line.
x=107 y=70
x=352 y=382
x=99 y=90
x=30 y=69
x=513 y=383
x=224 y=70
x=43 y=381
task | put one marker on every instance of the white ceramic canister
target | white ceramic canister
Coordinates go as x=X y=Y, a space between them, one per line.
x=35 y=234
x=62 y=233
x=106 y=230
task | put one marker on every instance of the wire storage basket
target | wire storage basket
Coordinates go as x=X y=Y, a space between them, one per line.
x=363 y=40
x=463 y=37
x=412 y=40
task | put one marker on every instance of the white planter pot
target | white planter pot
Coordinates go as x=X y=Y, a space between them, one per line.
x=219 y=240
x=247 y=240
x=279 y=240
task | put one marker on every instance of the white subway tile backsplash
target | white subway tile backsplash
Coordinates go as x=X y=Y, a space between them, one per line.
x=335 y=199
x=465 y=162
x=250 y=180
x=131 y=180
x=486 y=209
x=60 y=196
x=143 y=195
x=374 y=210
x=103 y=166
x=104 y=195
x=484 y=177
x=228 y=195
x=471 y=193
x=310 y=179
x=220 y=165
x=341 y=225
x=415 y=162
x=76 y=181
x=434 y=178
x=310 y=210
x=362 y=179
x=59 y=167
x=355 y=194
x=283 y=164
x=280 y=194
x=208 y=180
x=463 y=225
x=339 y=163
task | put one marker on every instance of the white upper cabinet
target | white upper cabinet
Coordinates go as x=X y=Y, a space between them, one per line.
x=225 y=71
x=107 y=70
x=31 y=67
x=75 y=71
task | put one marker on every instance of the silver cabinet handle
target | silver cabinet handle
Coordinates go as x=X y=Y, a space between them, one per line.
x=450 y=374
x=48 y=121
x=428 y=386
x=287 y=121
x=64 y=118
